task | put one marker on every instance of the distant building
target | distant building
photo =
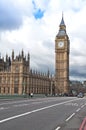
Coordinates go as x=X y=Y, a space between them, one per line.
x=84 y=84
x=77 y=86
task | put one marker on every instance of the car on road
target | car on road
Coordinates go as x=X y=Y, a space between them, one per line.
x=80 y=95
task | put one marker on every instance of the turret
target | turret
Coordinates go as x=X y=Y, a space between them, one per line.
x=28 y=56
x=48 y=73
x=22 y=53
x=6 y=57
x=0 y=55
x=12 y=55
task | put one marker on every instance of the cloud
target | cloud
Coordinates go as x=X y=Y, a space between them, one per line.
x=8 y=19
x=78 y=72
x=33 y=25
x=12 y=12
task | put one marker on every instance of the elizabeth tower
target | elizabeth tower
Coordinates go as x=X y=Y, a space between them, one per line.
x=62 y=46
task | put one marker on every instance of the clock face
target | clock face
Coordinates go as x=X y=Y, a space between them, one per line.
x=61 y=44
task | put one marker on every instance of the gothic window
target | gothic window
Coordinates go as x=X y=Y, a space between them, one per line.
x=4 y=90
x=17 y=69
x=16 y=89
x=0 y=89
x=8 y=89
x=0 y=79
x=16 y=80
x=8 y=80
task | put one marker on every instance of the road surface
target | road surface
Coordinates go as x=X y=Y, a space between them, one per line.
x=55 y=113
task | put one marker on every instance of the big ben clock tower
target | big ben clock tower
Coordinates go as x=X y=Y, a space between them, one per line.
x=62 y=46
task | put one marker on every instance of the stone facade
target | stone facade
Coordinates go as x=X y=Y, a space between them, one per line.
x=17 y=78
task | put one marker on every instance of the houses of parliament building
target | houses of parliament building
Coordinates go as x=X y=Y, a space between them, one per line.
x=16 y=77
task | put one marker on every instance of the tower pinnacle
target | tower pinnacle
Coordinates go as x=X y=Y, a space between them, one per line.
x=62 y=28
x=62 y=21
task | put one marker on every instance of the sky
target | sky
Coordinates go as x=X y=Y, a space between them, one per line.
x=32 y=25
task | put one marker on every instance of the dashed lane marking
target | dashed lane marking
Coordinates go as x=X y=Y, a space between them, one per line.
x=82 y=106
x=70 y=117
x=58 y=128
x=3 y=108
x=78 y=110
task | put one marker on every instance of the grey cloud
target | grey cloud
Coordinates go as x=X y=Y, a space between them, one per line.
x=77 y=53
x=45 y=67
x=10 y=16
x=43 y=62
x=78 y=71
x=48 y=44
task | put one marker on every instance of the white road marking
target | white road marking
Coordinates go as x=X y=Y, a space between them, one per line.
x=33 y=111
x=3 y=108
x=58 y=128
x=12 y=102
x=82 y=106
x=27 y=100
x=75 y=104
x=72 y=104
x=70 y=117
x=78 y=110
